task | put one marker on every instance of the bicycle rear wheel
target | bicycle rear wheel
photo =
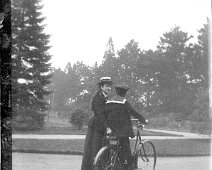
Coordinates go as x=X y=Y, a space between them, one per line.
x=107 y=159
x=146 y=156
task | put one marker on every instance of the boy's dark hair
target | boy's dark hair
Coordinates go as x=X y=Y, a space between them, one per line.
x=121 y=90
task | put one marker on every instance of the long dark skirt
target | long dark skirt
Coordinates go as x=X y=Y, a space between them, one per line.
x=93 y=142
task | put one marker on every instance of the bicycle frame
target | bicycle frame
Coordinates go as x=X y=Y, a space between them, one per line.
x=115 y=157
x=103 y=149
x=115 y=150
x=138 y=146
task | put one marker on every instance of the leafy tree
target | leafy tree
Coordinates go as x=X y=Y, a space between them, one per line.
x=78 y=116
x=30 y=58
x=60 y=88
x=127 y=60
x=200 y=60
x=173 y=79
x=147 y=69
x=79 y=78
x=201 y=107
x=129 y=70
x=200 y=73
x=73 y=86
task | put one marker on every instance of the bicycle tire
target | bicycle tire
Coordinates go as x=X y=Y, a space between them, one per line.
x=107 y=159
x=146 y=156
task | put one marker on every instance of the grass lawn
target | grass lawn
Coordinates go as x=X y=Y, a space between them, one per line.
x=63 y=127
x=72 y=131
x=171 y=147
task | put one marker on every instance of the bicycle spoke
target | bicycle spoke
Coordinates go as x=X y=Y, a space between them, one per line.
x=107 y=159
x=144 y=156
x=147 y=156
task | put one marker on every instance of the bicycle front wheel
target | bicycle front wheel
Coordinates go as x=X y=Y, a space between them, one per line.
x=146 y=156
x=106 y=159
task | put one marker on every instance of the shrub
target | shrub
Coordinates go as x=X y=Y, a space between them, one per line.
x=170 y=121
x=175 y=117
x=201 y=112
x=159 y=121
x=27 y=119
x=201 y=127
x=199 y=115
x=78 y=117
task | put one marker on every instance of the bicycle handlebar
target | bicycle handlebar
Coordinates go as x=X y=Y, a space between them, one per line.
x=111 y=136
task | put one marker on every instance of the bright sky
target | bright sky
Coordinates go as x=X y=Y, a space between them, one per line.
x=80 y=29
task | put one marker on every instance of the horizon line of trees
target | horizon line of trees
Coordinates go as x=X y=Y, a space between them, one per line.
x=174 y=78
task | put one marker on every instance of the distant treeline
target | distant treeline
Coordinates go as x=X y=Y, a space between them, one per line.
x=174 y=78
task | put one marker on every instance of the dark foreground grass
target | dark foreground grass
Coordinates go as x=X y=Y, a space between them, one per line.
x=170 y=147
x=183 y=147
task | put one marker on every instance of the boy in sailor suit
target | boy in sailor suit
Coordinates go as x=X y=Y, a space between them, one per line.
x=118 y=111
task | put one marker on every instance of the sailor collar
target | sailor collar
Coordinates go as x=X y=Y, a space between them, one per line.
x=115 y=101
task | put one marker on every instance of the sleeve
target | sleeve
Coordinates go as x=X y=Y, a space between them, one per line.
x=99 y=108
x=134 y=113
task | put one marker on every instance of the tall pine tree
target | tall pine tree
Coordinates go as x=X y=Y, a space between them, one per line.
x=30 y=58
x=109 y=63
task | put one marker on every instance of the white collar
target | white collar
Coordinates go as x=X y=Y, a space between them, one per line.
x=115 y=101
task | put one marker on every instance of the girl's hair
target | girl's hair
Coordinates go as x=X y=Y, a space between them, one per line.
x=102 y=84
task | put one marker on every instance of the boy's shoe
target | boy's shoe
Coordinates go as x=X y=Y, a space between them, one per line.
x=128 y=165
x=125 y=165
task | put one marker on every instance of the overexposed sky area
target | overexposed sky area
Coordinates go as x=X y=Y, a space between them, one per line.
x=80 y=29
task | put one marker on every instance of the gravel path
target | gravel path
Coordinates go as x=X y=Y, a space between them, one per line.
x=184 y=135
x=29 y=161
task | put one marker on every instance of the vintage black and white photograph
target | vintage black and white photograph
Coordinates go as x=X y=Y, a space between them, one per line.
x=108 y=84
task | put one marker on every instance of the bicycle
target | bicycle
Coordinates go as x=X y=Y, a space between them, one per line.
x=144 y=155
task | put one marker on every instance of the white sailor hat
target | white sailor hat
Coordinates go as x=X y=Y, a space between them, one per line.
x=105 y=80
